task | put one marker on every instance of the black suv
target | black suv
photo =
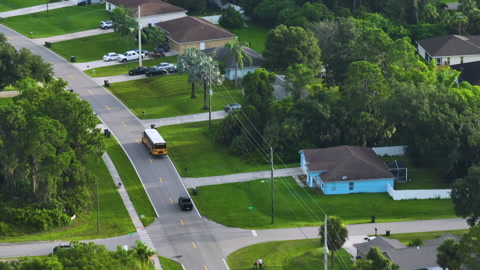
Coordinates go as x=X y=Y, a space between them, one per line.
x=138 y=70
x=155 y=71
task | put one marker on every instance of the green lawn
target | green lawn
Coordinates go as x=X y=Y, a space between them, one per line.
x=6 y=5
x=94 y=47
x=125 y=67
x=255 y=35
x=5 y=101
x=169 y=95
x=296 y=206
x=132 y=183
x=185 y=139
x=283 y=255
x=59 y=21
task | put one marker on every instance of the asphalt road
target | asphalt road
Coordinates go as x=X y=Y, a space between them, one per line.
x=194 y=241
x=183 y=232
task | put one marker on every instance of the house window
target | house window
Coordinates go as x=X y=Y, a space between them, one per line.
x=109 y=7
x=461 y=60
x=439 y=61
x=350 y=185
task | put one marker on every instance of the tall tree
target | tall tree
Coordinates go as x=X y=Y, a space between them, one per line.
x=287 y=46
x=17 y=65
x=449 y=255
x=470 y=248
x=464 y=196
x=236 y=51
x=231 y=19
x=337 y=235
x=297 y=78
x=375 y=260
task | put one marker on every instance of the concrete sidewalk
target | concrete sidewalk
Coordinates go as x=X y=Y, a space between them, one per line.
x=241 y=177
x=39 y=8
x=81 y=34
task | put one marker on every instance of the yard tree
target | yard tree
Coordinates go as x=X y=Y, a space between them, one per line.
x=287 y=46
x=464 y=196
x=267 y=11
x=123 y=21
x=187 y=64
x=297 y=78
x=470 y=248
x=449 y=255
x=232 y=19
x=337 y=235
x=239 y=55
x=258 y=90
x=17 y=65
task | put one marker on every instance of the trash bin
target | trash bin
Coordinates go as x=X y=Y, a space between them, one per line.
x=70 y=90
x=48 y=44
x=373 y=219
x=73 y=59
x=195 y=191
x=152 y=126
x=387 y=232
x=107 y=83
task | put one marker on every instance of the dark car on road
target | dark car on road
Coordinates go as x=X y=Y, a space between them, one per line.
x=138 y=70
x=62 y=246
x=232 y=107
x=185 y=203
x=155 y=71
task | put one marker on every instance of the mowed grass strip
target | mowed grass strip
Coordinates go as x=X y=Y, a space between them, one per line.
x=255 y=35
x=131 y=182
x=291 y=255
x=6 y=5
x=297 y=206
x=59 y=21
x=190 y=146
x=168 y=96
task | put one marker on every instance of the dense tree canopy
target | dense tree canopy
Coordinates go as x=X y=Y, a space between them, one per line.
x=287 y=46
x=45 y=139
x=17 y=65
x=465 y=196
x=232 y=19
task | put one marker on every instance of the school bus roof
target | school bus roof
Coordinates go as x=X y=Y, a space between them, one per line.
x=154 y=136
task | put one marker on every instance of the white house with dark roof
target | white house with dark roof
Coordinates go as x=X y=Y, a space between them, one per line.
x=188 y=32
x=450 y=50
x=345 y=170
x=151 y=11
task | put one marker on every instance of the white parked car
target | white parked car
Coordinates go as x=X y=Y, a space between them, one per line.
x=166 y=66
x=129 y=56
x=110 y=56
x=106 y=24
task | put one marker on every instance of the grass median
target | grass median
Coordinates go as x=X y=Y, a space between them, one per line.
x=7 y=5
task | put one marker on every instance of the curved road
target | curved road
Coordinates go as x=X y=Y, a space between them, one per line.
x=185 y=236
x=181 y=233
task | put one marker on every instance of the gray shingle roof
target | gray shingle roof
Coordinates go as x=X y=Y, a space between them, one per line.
x=191 y=29
x=346 y=163
x=451 y=45
x=221 y=51
x=148 y=7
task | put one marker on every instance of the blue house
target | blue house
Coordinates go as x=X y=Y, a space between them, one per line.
x=345 y=169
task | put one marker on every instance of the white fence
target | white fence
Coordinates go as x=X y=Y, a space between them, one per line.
x=420 y=194
x=390 y=150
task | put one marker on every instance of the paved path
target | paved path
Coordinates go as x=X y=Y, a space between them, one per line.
x=81 y=34
x=39 y=8
x=241 y=177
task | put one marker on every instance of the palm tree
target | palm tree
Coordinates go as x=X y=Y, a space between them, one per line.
x=238 y=54
x=337 y=234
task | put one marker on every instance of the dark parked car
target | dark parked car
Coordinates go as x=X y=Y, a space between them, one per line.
x=232 y=107
x=155 y=71
x=138 y=70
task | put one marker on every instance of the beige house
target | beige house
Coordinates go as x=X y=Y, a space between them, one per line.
x=187 y=32
x=151 y=11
